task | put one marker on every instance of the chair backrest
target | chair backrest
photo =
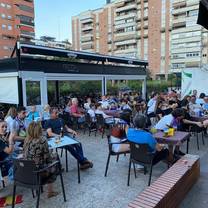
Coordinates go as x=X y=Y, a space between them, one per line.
x=24 y=172
x=88 y=119
x=100 y=120
x=140 y=153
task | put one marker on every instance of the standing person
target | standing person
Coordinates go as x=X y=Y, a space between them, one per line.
x=10 y=119
x=55 y=125
x=6 y=149
x=36 y=148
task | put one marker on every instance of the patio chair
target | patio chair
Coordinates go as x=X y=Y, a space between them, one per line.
x=89 y=124
x=139 y=154
x=101 y=124
x=197 y=131
x=1 y=178
x=112 y=153
x=27 y=175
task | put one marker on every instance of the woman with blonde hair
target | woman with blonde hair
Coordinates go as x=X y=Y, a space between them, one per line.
x=36 y=148
x=10 y=119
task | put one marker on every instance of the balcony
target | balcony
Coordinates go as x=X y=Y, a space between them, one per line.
x=27 y=34
x=179 y=25
x=87 y=46
x=86 y=28
x=86 y=39
x=126 y=8
x=123 y=52
x=87 y=35
x=86 y=20
x=125 y=42
x=126 y=16
x=128 y=24
x=125 y=37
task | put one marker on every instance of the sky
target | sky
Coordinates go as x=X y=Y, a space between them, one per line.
x=53 y=17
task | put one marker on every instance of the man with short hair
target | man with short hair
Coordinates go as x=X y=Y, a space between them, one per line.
x=54 y=127
x=140 y=136
x=20 y=127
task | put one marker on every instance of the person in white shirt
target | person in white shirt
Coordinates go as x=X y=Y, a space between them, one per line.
x=91 y=112
x=10 y=119
x=194 y=108
x=104 y=102
x=151 y=105
x=87 y=104
x=172 y=119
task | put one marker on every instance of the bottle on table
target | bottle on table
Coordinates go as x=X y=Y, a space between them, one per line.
x=62 y=132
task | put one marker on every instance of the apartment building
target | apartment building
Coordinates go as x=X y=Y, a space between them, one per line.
x=132 y=28
x=52 y=42
x=164 y=32
x=16 y=23
x=188 y=40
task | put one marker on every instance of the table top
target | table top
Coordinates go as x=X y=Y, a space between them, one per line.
x=114 y=113
x=178 y=137
x=65 y=141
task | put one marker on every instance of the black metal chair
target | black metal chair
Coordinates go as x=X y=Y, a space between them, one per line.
x=27 y=175
x=139 y=154
x=197 y=131
x=1 y=165
x=90 y=124
x=112 y=153
x=101 y=124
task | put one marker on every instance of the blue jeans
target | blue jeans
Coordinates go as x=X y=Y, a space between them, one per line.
x=77 y=152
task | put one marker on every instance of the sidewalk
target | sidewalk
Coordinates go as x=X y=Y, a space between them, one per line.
x=198 y=195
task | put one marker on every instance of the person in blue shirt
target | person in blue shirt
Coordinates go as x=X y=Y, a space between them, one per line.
x=33 y=114
x=140 y=136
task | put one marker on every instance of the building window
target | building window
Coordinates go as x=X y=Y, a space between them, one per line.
x=8 y=6
x=9 y=27
x=3 y=5
x=9 y=17
x=5 y=47
x=3 y=16
x=3 y=26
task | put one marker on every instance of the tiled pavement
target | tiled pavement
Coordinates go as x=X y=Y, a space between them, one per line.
x=96 y=191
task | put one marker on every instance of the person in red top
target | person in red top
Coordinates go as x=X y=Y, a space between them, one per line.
x=75 y=111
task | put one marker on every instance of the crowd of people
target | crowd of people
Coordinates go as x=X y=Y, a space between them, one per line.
x=23 y=132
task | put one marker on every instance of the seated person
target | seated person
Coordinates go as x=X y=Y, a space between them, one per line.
x=205 y=105
x=87 y=104
x=91 y=111
x=20 y=127
x=140 y=136
x=187 y=123
x=6 y=149
x=33 y=115
x=54 y=127
x=76 y=112
x=36 y=148
x=99 y=110
x=194 y=108
x=170 y=120
x=10 y=119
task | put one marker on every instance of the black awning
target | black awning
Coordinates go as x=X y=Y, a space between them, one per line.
x=52 y=66
x=47 y=51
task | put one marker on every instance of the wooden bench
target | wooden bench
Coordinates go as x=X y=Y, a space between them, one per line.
x=172 y=186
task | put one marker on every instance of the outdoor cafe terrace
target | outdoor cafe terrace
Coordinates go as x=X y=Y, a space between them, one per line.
x=97 y=191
